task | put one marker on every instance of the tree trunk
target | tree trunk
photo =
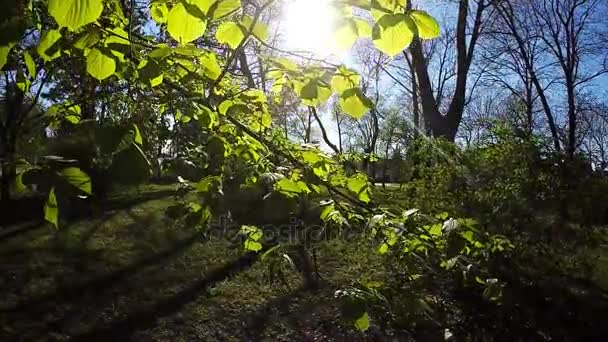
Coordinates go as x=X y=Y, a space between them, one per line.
x=8 y=170
x=439 y=125
x=571 y=119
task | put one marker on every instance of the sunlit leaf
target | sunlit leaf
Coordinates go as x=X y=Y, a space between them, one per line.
x=344 y=79
x=383 y=248
x=289 y=187
x=19 y=185
x=117 y=36
x=362 y=323
x=99 y=65
x=47 y=41
x=346 y=34
x=87 y=40
x=314 y=92
x=259 y=30
x=159 y=11
x=253 y=246
x=161 y=52
x=4 y=51
x=77 y=178
x=354 y=103
x=203 y=5
x=230 y=33
x=51 y=211
x=388 y=6
x=393 y=33
x=211 y=67
x=183 y=26
x=363 y=28
x=224 y=7
x=435 y=230
x=254 y=234
x=29 y=63
x=359 y=185
x=75 y=13
x=137 y=135
x=428 y=28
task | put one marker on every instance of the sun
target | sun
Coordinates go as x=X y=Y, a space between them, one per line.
x=308 y=26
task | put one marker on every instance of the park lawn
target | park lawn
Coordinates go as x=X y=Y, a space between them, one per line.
x=134 y=274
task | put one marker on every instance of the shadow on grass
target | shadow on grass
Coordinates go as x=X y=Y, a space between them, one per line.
x=22 y=210
x=16 y=231
x=98 y=285
x=259 y=320
x=147 y=317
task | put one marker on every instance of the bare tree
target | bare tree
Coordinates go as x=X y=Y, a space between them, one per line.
x=469 y=27
x=572 y=34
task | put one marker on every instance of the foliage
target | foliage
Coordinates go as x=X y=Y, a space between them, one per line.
x=242 y=168
x=422 y=250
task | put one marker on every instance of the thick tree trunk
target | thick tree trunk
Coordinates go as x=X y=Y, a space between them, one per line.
x=446 y=126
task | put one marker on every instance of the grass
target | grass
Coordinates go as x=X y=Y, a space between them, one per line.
x=133 y=272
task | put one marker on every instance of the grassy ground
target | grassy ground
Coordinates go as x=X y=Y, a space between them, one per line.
x=133 y=274
x=130 y=273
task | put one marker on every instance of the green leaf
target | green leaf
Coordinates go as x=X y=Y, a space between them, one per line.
x=117 y=36
x=314 y=92
x=47 y=41
x=51 y=211
x=383 y=248
x=254 y=234
x=159 y=12
x=99 y=65
x=230 y=33
x=287 y=185
x=363 y=28
x=393 y=33
x=358 y=184
x=4 y=51
x=290 y=188
x=259 y=30
x=428 y=28
x=77 y=178
x=381 y=7
x=74 y=119
x=224 y=7
x=203 y=5
x=435 y=230
x=87 y=40
x=354 y=103
x=211 y=67
x=19 y=186
x=344 y=79
x=345 y=35
x=23 y=83
x=137 y=135
x=253 y=246
x=75 y=13
x=161 y=52
x=183 y=26
x=29 y=64
x=362 y=323
x=468 y=235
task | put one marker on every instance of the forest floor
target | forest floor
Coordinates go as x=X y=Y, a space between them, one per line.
x=133 y=274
